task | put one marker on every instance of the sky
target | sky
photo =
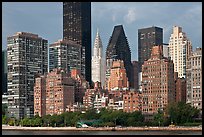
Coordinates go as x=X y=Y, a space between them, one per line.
x=46 y=20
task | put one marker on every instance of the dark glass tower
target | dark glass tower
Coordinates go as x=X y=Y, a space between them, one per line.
x=77 y=27
x=147 y=38
x=118 y=48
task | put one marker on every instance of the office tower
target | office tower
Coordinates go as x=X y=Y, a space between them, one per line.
x=118 y=48
x=65 y=54
x=118 y=78
x=194 y=79
x=27 y=58
x=135 y=74
x=98 y=73
x=180 y=49
x=158 y=87
x=4 y=72
x=147 y=38
x=77 y=27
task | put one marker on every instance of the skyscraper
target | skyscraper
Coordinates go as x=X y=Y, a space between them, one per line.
x=98 y=63
x=147 y=38
x=180 y=49
x=118 y=48
x=77 y=27
x=158 y=88
x=194 y=79
x=65 y=54
x=27 y=58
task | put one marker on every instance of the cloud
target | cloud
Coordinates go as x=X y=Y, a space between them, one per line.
x=130 y=17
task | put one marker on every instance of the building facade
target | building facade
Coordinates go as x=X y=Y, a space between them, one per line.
x=132 y=102
x=4 y=72
x=27 y=58
x=194 y=79
x=118 y=48
x=98 y=63
x=179 y=49
x=77 y=27
x=80 y=84
x=180 y=90
x=135 y=75
x=147 y=38
x=118 y=78
x=158 y=86
x=65 y=54
x=40 y=96
x=53 y=93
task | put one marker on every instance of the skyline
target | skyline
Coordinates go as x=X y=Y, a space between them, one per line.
x=39 y=19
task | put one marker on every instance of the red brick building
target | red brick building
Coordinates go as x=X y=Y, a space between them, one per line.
x=118 y=78
x=40 y=96
x=132 y=101
x=80 y=85
x=59 y=93
x=158 y=86
x=180 y=90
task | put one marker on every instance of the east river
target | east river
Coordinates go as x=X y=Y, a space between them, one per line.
x=34 y=132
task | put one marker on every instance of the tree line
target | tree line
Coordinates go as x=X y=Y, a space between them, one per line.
x=176 y=113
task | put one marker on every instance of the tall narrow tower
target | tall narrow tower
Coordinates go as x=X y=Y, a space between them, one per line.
x=180 y=49
x=77 y=27
x=98 y=61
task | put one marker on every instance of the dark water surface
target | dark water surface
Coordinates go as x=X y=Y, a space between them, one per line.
x=18 y=132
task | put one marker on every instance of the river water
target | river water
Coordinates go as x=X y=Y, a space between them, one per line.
x=20 y=132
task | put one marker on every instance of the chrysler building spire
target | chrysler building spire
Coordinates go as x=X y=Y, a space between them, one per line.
x=98 y=61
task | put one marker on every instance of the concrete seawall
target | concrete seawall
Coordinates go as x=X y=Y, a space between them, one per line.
x=102 y=128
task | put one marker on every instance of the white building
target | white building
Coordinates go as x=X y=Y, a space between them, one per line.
x=180 y=49
x=98 y=63
x=194 y=79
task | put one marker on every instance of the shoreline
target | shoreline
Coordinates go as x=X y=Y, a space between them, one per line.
x=5 y=127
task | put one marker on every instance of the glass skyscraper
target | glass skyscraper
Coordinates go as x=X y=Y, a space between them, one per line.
x=77 y=27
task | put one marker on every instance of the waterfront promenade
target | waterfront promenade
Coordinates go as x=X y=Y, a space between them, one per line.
x=5 y=127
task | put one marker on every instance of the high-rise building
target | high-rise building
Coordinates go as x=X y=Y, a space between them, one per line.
x=65 y=54
x=4 y=72
x=27 y=58
x=180 y=49
x=98 y=63
x=118 y=48
x=194 y=79
x=147 y=38
x=77 y=27
x=135 y=75
x=158 y=88
x=118 y=78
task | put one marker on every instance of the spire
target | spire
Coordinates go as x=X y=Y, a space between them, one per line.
x=97 y=45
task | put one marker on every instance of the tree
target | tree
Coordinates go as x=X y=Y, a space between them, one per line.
x=180 y=113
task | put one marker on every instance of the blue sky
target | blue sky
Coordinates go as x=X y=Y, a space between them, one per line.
x=45 y=19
